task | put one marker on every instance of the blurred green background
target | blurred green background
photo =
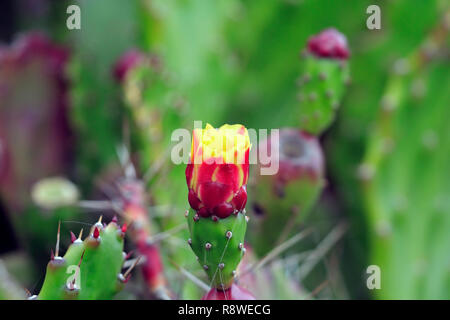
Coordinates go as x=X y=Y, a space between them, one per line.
x=237 y=61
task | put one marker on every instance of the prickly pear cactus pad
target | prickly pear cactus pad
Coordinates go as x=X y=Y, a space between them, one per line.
x=90 y=269
x=406 y=189
x=284 y=199
x=218 y=245
x=216 y=176
x=324 y=75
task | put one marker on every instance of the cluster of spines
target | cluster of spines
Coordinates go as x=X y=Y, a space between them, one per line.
x=90 y=269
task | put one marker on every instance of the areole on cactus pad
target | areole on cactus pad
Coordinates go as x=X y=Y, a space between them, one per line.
x=216 y=177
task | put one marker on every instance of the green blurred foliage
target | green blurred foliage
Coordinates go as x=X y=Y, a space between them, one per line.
x=237 y=61
x=407 y=186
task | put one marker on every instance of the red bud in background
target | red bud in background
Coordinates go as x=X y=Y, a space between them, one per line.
x=329 y=43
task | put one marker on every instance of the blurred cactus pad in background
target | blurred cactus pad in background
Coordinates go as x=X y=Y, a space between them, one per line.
x=358 y=208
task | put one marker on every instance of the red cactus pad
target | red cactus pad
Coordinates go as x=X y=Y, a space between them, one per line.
x=218 y=170
x=330 y=43
x=233 y=293
x=33 y=116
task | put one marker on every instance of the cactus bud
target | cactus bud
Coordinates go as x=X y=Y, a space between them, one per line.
x=218 y=171
x=216 y=177
x=323 y=80
x=330 y=43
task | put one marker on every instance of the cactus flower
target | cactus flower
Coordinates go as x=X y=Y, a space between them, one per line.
x=218 y=171
x=216 y=177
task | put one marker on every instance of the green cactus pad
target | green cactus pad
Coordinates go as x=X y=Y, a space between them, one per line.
x=277 y=208
x=405 y=186
x=99 y=268
x=322 y=84
x=219 y=246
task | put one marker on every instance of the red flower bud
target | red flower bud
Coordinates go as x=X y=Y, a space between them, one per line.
x=218 y=170
x=330 y=43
